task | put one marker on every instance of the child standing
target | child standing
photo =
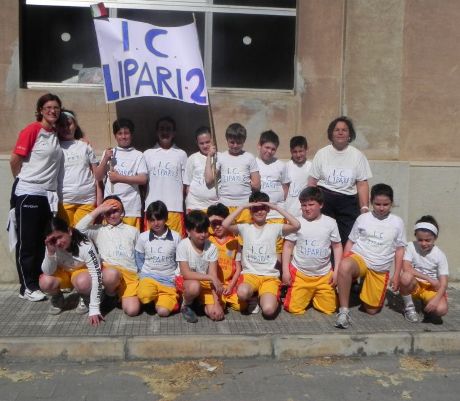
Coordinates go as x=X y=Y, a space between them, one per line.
x=425 y=272
x=197 y=258
x=229 y=256
x=116 y=242
x=71 y=260
x=125 y=170
x=199 y=196
x=156 y=261
x=239 y=174
x=166 y=167
x=377 y=239
x=310 y=274
x=259 y=251
x=298 y=171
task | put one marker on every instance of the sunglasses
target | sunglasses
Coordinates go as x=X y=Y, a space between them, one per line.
x=255 y=209
x=216 y=223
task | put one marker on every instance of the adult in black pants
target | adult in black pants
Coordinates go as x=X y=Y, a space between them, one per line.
x=342 y=172
x=35 y=163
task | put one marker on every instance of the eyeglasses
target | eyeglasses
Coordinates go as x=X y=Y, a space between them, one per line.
x=216 y=223
x=49 y=108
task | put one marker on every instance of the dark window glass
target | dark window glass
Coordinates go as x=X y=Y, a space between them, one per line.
x=166 y=18
x=56 y=42
x=258 y=3
x=253 y=51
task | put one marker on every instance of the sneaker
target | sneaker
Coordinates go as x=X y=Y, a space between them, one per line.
x=343 y=320
x=56 y=304
x=33 y=296
x=189 y=314
x=83 y=306
x=253 y=306
x=411 y=315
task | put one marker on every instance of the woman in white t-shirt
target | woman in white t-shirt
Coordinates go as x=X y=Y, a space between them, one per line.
x=198 y=195
x=76 y=184
x=342 y=172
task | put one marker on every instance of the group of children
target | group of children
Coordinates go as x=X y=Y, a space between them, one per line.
x=235 y=245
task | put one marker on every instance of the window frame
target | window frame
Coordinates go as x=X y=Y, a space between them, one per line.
x=203 y=6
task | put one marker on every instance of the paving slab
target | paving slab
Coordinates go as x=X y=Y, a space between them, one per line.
x=27 y=330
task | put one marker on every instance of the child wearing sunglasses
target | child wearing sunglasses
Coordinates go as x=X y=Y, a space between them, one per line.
x=259 y=251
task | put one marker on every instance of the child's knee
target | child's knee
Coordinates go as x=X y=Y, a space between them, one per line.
x=110 y=277
x=244 y=292
x=82 y=283
x=131 y=306
x=48 y=284
x=162 y=312
x=406 y=280
x=192 y=288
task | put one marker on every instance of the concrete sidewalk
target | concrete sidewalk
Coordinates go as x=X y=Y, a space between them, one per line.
x=28 y=331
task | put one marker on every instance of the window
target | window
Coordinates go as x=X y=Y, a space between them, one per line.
x=246 y=44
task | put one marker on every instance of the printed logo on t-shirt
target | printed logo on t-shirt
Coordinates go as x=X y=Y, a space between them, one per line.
x=166 y=169
x=160 y=255
x=295 y=188
x=374 y=238
x=270 y=185
x=233 y=174
x=258 y=253
x=340 y=176
x=311 y=249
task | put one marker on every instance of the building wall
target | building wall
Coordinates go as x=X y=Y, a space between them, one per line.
x=391 y=65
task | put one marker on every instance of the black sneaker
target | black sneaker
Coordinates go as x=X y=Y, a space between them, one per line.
x=189 y=314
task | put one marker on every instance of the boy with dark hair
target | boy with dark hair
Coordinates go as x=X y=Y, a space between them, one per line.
x=155 y=254
x=239 y=174
x=307 y=265
x=197 y=258
x=125 y=170
x=259 y=251
x=166 y=167
x=298 y=171
x=229 y=256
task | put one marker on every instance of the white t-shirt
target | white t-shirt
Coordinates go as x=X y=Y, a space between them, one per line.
x=312 y=250
x=259 y=248
x=433 y=264
x=42 y=159
x=298 y=176
x=166 y=169
x=159 y=253
x=338 y=170
x=272 y=176
x=235 y=177
x=115 y=243
x=87 y=258
x=199 y=195
x=376 y=240
x=76 y=183
x=128 y=162
x=198 y=262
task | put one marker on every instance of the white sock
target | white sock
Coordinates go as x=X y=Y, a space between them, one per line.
x=344 y=309
x=408 y=302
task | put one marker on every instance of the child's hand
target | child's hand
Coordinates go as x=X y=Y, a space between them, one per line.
x=114 y=177
x=212 y=150
x=333 y=279
x=270 y=205
x=228 y=289
x=108 y=205
x=394 y=283
x=286 y=278
x=432 y=305
x=435 y=284
x=108 y=154
x=95 y=320
x=50 y=243
x=217 y=286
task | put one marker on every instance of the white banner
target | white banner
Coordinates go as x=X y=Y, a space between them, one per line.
x=139 y=59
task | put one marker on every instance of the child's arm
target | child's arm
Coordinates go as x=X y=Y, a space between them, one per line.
x=101 y=169
x=293 y=224
x=337 y=250
x=189 y=274
x=285 y=189
x=209 y=173
x=229 y=288
x=288 y=247
x=227 y=223
x=399 y=254
x=255 y=181
x=432 y=305
x=347 y=248
x=363 y=195
x=138 y=179
x=409 y=268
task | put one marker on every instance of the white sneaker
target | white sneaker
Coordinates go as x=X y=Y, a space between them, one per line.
x=411 y=315
x=56 y=304
x=32 y=296
x=343 y=320
x=82 y=307
x=253 y=306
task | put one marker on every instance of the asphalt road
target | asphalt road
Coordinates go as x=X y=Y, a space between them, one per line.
x=429 y=378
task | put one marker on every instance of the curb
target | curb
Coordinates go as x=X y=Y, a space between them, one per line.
x=227 y=347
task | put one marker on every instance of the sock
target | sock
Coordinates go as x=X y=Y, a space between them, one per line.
x=408 y=302
x=344 y=309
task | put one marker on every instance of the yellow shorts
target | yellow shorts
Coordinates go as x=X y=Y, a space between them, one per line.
x=280 y=240
x=206 y=296
x=176 y=222
x=65 y=277
x=263 y=284
x=129 y=281
x=72 y=213
x=305 y=289
x=133 y=222
x=374 y=285
x=424 y=291
x=150 y=290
